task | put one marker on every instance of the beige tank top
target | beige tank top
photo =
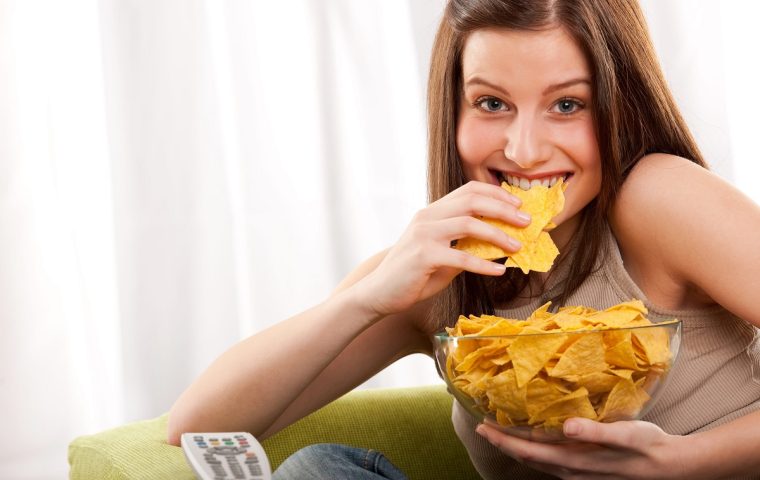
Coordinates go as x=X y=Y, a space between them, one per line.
x=715 y=380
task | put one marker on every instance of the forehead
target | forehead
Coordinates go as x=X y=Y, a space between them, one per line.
x=543 y=56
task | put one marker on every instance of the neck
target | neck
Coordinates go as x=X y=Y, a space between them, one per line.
x=563 y=234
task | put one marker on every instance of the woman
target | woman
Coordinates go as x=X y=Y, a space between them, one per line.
x=523 y=91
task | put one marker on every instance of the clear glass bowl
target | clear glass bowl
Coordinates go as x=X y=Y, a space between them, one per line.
x=528 y=384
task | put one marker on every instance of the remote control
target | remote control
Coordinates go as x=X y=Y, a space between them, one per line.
x=226 y=455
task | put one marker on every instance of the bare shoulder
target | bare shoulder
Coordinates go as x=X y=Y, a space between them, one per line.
x=659 y=176
x=666 y=193
x=683 y=225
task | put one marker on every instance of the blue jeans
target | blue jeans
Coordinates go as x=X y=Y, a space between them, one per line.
x=327 y=461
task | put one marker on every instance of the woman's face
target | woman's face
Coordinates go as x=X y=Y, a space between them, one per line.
x=525 y=113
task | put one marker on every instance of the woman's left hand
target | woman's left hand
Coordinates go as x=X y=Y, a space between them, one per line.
x=626 y=449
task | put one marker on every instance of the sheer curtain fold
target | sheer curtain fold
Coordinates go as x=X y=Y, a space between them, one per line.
x=175 y=176
x=58 y=304
x=695 y=70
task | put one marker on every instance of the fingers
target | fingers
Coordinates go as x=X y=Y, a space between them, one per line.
x=471 y=263
x=596 y=450
x=461 y=227
x=460 y=215
x=479 y=199
x=487 y=189
x=560 y=460
x=626 y=434
x=522 y=450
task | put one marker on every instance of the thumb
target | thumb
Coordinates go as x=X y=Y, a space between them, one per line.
x=625 y=434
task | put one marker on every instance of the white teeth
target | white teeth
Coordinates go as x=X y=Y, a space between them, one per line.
x=526 y=184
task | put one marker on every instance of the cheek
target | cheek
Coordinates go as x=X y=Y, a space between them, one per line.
x=589 y=151
x=476 y=141
x=466 y=145
x=581 y=145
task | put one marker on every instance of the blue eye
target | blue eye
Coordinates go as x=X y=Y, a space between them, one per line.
x=490 y=104
x=567 y=106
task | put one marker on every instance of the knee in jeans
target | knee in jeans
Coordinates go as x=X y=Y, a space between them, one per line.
x=311 y=453
x=317 y=450
x=311 y=459
x=326 y=461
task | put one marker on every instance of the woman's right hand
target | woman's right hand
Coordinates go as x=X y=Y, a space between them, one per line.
x=423 y=262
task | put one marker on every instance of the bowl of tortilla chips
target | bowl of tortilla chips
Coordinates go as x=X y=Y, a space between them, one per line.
x=528 y=376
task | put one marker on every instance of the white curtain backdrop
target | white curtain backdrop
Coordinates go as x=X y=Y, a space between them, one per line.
x=176 y=175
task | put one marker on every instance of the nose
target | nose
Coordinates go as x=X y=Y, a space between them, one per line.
x=525 y=144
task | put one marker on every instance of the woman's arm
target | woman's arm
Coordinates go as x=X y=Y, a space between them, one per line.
x=727 y=451
x=283 y=373
x=386 y=341
x=292 y=368
x=688 y=232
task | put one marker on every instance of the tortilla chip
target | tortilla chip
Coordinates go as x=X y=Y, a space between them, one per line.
x=538 y=249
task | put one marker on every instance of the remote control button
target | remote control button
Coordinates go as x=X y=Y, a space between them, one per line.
x=225 y=456
x=226 y=451
x=237 y=471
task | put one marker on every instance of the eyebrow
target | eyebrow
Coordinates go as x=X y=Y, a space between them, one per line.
x=481 y=81
x=569 y=83
x=547 y=90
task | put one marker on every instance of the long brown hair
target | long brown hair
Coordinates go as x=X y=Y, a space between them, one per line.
x=634 y=115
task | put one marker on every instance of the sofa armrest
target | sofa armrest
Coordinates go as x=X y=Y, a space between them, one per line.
x=411 y=426
x=134 y=451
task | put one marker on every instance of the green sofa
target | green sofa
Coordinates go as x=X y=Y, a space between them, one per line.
x=411 y=426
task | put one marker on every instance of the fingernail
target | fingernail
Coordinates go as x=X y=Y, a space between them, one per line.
x=482 y=431
x=524 y=216
x=572 y=428
x=514 y=243
x=498 y=267
x=511 y=197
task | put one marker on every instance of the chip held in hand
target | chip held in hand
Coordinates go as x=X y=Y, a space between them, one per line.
x=538 y=250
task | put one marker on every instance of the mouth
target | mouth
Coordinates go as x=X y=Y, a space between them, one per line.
x=526 y=183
